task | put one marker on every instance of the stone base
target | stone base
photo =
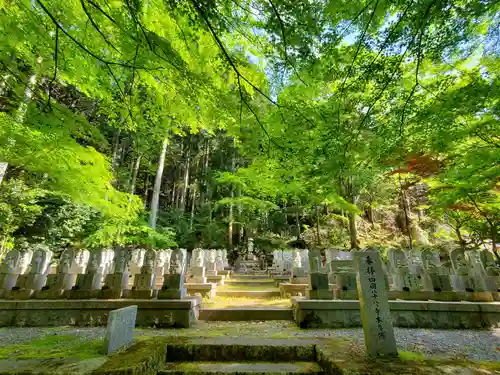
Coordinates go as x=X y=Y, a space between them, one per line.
x=52 y=294
x=226 y=273
x=442 y=296
x=110 y=294
x=19 y=294
x=172 y=293
x=299 y=280
x=345 y=294
x=218 y=279
x=154 y=313
x=320 y=294
x=83 y=294
x=207 y=290
x=140 y=294
x=281 y=279
x=290 y=290
x=410 y=314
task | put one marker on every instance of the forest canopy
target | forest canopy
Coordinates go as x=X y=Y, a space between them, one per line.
x=202 y=123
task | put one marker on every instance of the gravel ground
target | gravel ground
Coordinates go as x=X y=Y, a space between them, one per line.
x=464 y=344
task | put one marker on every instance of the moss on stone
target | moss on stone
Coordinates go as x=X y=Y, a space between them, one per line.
x=52 y=347
x=142 y=357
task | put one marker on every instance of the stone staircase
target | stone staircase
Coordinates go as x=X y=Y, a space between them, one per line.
x=237 y=356
x=249 y=286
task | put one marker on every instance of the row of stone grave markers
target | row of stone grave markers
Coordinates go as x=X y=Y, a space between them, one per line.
x=407 y=271
x=207 y=269
x=295 y=263
x=80 y=274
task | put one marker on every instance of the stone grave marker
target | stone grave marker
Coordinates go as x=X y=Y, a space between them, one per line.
x=374 y=305
x=120 y=328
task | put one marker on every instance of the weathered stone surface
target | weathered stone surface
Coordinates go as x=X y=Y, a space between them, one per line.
x=206 y=290
x=246 y=314
x=289 y=290
x=152 y=313
x=409 y=314
x=173 y=287
x=120 y=328
x=374 y=305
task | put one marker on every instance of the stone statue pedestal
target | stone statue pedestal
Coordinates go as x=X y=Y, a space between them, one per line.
x=88 y=285
x=211 y=269
x=114 y=284
x=7 y=282
x=319 y=288
x=57 y=286
x=173 y=287
x=198 y=275
x=144 y=287
x=27 y=285
x=440 y=283
x=462 y=283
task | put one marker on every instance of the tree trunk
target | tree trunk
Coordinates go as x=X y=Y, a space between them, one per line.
x=193 y=200
x=155 y=199
x=186 y=180
x=134 y=174
x=116 y=149
x=318 y=237
x=231 y=218
x=353 y=231
x=3 y=170
x=297 y=222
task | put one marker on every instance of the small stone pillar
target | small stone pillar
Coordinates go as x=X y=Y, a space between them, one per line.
x=36 y=277
x=173 y=282
x=88 y=285
x=374 y=305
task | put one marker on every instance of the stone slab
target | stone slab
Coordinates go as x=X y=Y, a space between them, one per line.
x=245 y=314
x=206 y=290
x=411 y=314
x=217 y=279
x=120 y=328
x=374 y=305
x=249 y=293
x=287 y=289
x=52 y=313
x=242 y=368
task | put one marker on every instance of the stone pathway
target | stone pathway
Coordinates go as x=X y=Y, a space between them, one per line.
x=461 y=344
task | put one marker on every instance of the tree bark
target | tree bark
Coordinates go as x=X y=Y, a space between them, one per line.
x=3 y=170
x=186 y=180
x=231 y=218
x=353 y=231
x=155 y=199
x=134 y=174
x=116 y=149
x=318 y=237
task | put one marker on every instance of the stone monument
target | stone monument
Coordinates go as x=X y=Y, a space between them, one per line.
x=374 y=305
x=173 y=283
x=60 y=284
x=14 y=264
x=118 y=280
x=88 y=285
x=145 y=283
x=36 y=277
x=318 y=279
x=120 y=328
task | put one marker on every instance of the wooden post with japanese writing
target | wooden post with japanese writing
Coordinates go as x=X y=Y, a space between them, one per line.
x=374 y=304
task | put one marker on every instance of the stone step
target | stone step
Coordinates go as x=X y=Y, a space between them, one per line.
x=241 y=349
x=249 y=293
x=254 y=277
x=282 y=368
x=243 y=314
x=250 y=282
